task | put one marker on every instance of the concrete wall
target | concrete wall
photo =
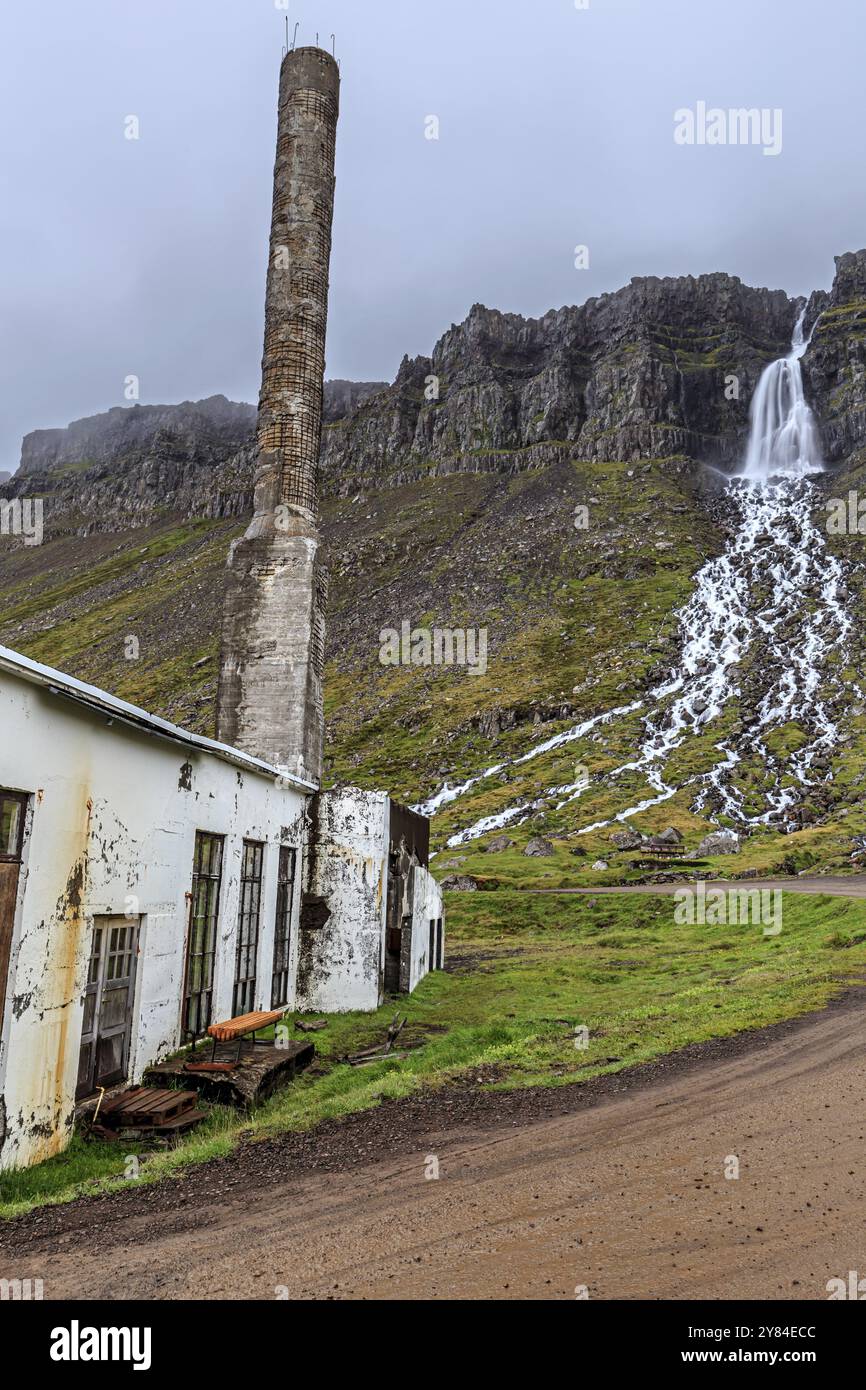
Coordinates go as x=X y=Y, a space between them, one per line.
x=426 y=905
x=342 y=955
x=111 y=829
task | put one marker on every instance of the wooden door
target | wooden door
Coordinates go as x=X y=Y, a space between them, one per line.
x=12 y=809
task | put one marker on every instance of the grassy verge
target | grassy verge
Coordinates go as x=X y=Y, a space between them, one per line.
x=525 y=973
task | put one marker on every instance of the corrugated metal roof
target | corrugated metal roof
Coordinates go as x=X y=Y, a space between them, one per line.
x=100 y=700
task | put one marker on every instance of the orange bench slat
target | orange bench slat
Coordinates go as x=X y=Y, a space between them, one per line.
x=246 y=1023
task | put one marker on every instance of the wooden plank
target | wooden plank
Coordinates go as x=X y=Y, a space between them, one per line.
x=149 y=1106
x=8 y=899
x=137 y=1102
x=381 y=1057
x=117 y=1102
x=146 y=1102
x=233 y=1028
x=185 y=1120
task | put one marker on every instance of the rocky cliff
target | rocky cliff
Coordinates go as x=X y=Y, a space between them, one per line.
x=662 y=368
x=835 y=365
x=636 y=374
x=132 y=464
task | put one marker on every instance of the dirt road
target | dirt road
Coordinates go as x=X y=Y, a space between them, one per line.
x=618 y=1186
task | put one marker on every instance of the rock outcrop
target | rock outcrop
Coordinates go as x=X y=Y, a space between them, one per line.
x=662 y=368
x=539 y=849
x=640 y=373
x=834 y=367
x=128 y=430
x=719 y=842
x=637 y=374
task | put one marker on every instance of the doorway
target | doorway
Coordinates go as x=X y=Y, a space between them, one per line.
x=109 y=995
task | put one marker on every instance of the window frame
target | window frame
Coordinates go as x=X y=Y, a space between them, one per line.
x=283 y=919
x=211 y=916
x=22 y=798
x=249 y=928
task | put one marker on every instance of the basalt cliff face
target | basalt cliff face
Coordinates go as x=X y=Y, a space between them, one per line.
x=835 y=365
x=134 y=463
x=632 y=375
x=662 y=368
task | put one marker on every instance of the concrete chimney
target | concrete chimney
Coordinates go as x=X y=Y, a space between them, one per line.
x=269 y=701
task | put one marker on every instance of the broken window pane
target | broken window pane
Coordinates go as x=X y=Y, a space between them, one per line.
x=11 y=824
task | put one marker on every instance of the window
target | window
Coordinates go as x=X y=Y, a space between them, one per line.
x=201 y=940
x=248 y=928
x=283 y=929
x=11 y=826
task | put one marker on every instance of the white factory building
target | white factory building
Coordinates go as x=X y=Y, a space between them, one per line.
x=153 y=881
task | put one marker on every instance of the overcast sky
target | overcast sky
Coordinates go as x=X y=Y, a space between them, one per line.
x=556 y=129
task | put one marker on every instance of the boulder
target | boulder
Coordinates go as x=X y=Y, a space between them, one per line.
x=461 y=883
x=719 y=842
x=499 y=843
x=601 y=864
x=538 y=849
x=626 y=839
x=671 y=836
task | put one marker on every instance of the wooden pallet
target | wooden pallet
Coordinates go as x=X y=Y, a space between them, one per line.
x=179 y=1124
x=147 y=1107
x=172 y=1129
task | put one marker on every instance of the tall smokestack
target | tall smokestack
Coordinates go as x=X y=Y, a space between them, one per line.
x=273 y=635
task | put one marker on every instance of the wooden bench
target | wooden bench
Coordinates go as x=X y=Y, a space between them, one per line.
x=241 y=1027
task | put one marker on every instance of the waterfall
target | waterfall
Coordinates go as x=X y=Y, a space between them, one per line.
x=783 y=438
x=772 y=607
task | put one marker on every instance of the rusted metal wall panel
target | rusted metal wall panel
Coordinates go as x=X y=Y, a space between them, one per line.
x=413 y=830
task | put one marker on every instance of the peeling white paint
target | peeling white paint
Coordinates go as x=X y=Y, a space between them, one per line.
x=114 y=807
x=343 y=959
x=135 y=838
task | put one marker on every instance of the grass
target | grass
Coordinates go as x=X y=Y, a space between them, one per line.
x=579 y=622
x=526 y=972
x=585 y=626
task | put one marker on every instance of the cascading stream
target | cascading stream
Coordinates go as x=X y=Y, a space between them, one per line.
x=770 y=610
